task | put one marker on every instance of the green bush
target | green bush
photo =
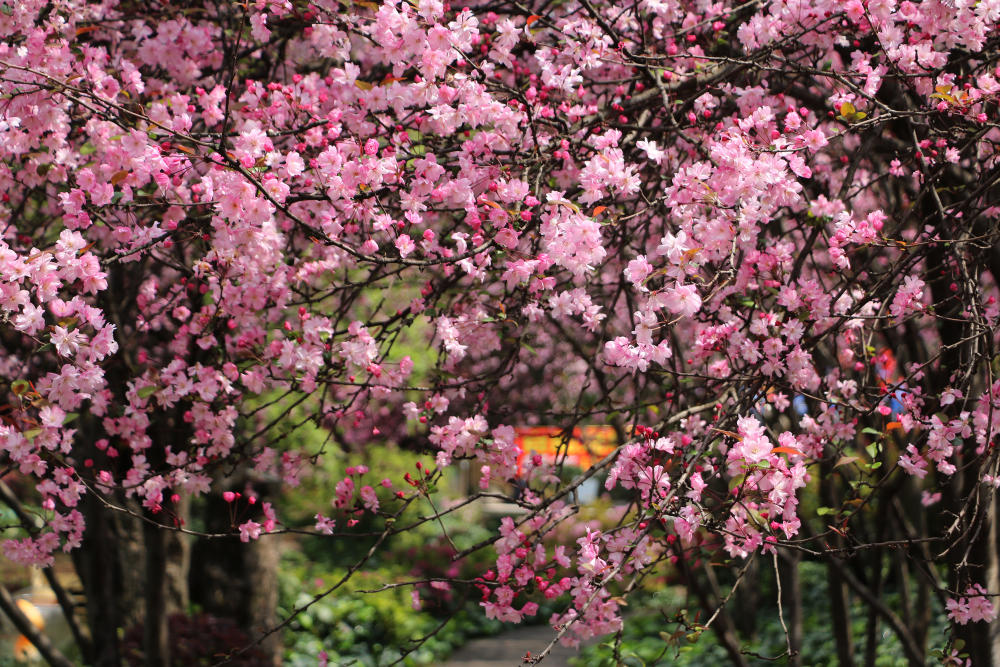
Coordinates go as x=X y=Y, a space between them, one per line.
x=652 y=636
x=370 y=629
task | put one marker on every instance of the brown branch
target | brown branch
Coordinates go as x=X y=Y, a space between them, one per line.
x=913 y=652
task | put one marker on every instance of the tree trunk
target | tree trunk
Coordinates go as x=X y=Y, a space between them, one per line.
x=723 y=626
x=262 y=567
x=234 y=580
x=96 y=564
x=156 y=633
x=871 y=632
x=178 y=551
x=130 y=555
x=791 y=602
x=746 y=601
x=840 y=611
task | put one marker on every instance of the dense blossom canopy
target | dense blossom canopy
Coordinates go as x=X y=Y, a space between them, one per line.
x=756 y=238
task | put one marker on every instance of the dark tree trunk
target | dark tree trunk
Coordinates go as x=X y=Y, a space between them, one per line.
x=156 y=633
x=234 y=580
x=178 y=552
x=131 y=557
x=96 y=564
x=725 y=630
x=262 y=568
x=746 y=601
x=791 y=602
x=840 y=611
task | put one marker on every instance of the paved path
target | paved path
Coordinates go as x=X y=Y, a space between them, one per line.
x=507 y=649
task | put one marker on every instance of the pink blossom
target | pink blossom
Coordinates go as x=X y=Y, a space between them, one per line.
x=638 y=270
x=973 y=607
x=405 y=245
x=683 y=300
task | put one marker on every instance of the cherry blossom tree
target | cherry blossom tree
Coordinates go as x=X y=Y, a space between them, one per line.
x=758 y=239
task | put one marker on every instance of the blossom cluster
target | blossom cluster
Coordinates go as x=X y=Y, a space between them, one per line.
x=760 y=232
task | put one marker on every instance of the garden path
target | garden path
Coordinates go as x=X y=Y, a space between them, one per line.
x=508 y=649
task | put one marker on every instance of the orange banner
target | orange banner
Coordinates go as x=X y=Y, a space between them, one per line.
x=586 y=445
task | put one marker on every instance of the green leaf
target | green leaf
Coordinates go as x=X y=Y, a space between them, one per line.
x=19 y=387
x=823 y=511
x=849 y=114
x=146 y=392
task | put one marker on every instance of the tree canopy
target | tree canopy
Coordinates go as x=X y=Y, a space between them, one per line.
x=759 y=240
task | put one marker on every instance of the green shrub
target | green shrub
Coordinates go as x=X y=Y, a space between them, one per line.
x=652 y=636
x=370 y=629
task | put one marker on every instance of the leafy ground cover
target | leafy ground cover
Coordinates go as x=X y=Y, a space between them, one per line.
x=662 y=630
